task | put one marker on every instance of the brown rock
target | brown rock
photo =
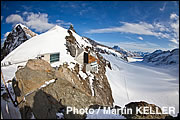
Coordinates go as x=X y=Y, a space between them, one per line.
x=46 y=102
x=72 y=77
x=33 y=75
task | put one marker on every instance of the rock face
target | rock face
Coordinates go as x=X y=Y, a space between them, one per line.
x=45 y=103
x=33 y=75
x=17 y=36
x=101 y=85
x=73 y=77
x=142 y=104
x=69 y=89
x=71 y=44
x=95 y=84
x=160 y=57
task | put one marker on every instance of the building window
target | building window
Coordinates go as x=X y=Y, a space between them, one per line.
x=54 y=57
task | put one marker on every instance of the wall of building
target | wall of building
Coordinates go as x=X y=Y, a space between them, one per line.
x=46 y=58
x=80 y=58
x=93 y=67
x=92 y=62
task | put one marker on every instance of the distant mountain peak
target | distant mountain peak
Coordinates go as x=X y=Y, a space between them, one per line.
x=125 y=52
x=19 y=34
x=21 y=25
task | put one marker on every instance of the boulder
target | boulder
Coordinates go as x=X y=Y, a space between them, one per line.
x=33 y=76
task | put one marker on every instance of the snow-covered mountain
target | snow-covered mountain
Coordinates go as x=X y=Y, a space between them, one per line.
x=17 y=36
x=142 y=54
x=160 y=57
x=125 y=52
x=116 y=82
x=100 y=48
x=129 y=53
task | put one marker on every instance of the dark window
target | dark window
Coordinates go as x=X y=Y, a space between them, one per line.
x=54 y=57
x=86 y=58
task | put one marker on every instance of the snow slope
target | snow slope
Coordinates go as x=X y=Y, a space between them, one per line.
x=132 y=82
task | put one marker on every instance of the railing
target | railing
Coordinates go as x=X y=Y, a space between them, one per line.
x=10 y=63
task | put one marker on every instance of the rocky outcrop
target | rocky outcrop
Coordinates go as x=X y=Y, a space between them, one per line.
x=33 y=75
x=74 y=78
x=71 y=44
x=17 y=36
x=101 y=86
x=68 y=89
x=48 y=101
x=72 y=28
x=29 y=32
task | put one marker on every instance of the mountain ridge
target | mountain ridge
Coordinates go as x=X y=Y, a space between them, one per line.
x=19 y=34
x=160 y=57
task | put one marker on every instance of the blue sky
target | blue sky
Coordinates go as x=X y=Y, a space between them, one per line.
x=133 y=25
